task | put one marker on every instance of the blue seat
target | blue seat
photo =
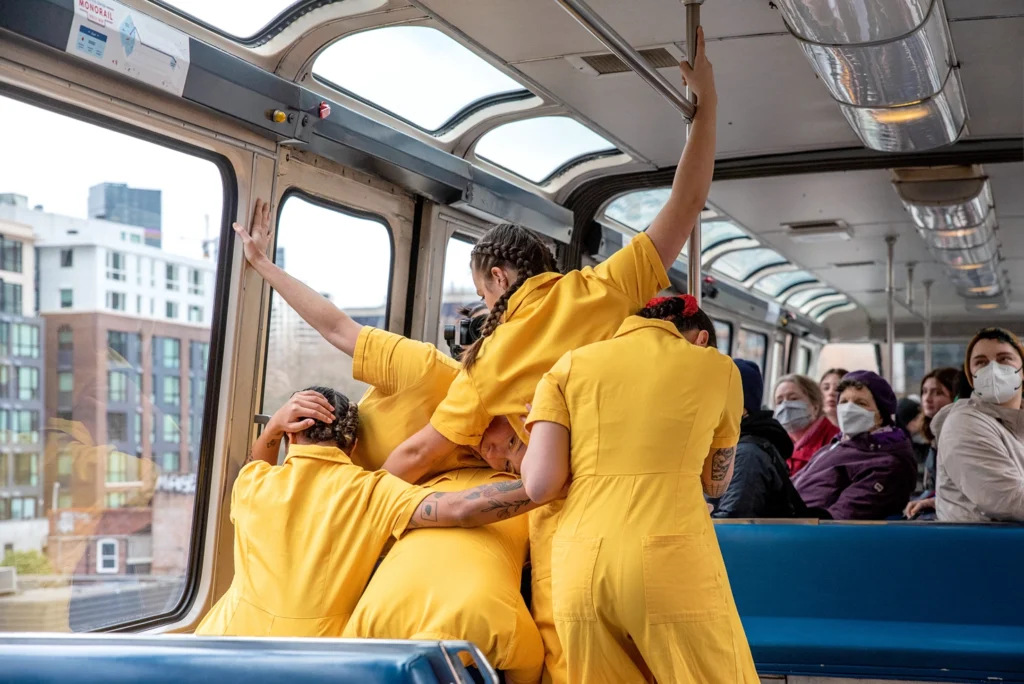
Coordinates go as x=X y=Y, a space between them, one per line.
x=103 y=659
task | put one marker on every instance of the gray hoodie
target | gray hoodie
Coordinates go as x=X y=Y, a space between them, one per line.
x=980 y=470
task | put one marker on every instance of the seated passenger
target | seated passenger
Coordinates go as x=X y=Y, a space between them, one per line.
x=870 y=472
x=910 y=419
x=829 y=386
x=799 y=408
x=308 y=533
x=760 y=485
x=938 y=389
x=981 y=439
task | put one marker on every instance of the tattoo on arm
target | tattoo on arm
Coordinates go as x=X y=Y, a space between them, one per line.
x=493 y=502
x=721 y=461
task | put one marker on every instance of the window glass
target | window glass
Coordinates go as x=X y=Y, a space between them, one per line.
x=638 y=209
x=458 y=289
x=74 y=396
x=723 y=331
x=851 y=356
x=415 y=72
x=743 y=263
x=714 y=233
x=536 y=148
x=776 y=283
x=238 y=18
x=345 y=257
x=804 y=296
x=752 y=346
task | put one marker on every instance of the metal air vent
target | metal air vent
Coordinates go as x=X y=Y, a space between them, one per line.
x=853 y=264
x=606 y=63
x=819 y=231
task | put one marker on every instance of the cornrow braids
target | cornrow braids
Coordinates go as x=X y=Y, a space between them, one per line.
x=342 y=432
x=683 y=312
x=511 y=247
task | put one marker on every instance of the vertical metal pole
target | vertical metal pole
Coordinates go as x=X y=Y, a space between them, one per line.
x=910 y=285
x=693 y=245
x=890 y=301
x=927 y=326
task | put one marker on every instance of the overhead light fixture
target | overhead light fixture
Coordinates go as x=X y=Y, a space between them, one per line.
x=948 y=198
x=815 y=232
x=937 y=121
x=988 y=304
x=961 y=238
x=890 y=66
x=848 y=41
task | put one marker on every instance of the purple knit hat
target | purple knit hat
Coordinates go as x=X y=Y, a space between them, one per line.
x=881 y=391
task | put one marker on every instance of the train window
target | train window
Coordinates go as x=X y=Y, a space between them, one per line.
x=399 y=69
x=458 y=289
x=723 y=331
x=239 y=19
x=742 y=264
x=752 y=346
x=775 y=284
x=637 y=209
x=851 y=356
x=803 y=361
x=537 y=148
x=714 y=233
x=94 y=475
x=800 y=298
x=346 y=257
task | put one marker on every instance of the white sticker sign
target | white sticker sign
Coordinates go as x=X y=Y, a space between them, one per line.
x=129 y=42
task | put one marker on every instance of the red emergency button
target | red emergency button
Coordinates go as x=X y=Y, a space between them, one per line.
x=324 y=110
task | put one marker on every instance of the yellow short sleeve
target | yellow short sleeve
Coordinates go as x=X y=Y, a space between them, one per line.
x=248 y=477
x=549 y=402
x=461 y=416
x=636 y=270
x=390 y=362
x=394 y=502
x=727 y=434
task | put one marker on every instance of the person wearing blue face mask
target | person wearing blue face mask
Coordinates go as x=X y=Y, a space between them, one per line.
x=980 y=473
x=799 y=408
x=870 y=472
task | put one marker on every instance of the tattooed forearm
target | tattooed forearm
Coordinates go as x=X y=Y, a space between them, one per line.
x=721 y=471
x=473 y=507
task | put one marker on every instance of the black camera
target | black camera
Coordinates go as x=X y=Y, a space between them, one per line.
x=464 y=333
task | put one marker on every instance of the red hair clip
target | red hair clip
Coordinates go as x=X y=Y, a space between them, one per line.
x=690 y=307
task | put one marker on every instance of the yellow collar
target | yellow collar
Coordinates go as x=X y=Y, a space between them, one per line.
x=634 y=323
x=526 y=289
x=322 y=453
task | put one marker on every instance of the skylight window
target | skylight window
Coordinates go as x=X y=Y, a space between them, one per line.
x=240 y=19
x=414 y=72
x=537 y=148
x=742 y=264
x=714 y=233
x=775 y=284
x=803 y=297
x=638 y=209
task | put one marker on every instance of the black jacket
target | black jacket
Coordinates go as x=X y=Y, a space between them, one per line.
x=760 y=486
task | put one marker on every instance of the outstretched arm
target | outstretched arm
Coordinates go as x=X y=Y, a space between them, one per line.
x=717 y=471
x=546 y=464
x=474 y=507
x=332 y=323
x=298 y=414
x=414 y=457
x=672 y=226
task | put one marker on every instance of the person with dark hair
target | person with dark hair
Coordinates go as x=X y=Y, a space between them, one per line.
x=938 y=390
x=760 y=486
x=695 y=326
x=647 y=424
x=981 y=438
x=309 y=532
x=829 y=386
x=870 y=472
x=800 y=409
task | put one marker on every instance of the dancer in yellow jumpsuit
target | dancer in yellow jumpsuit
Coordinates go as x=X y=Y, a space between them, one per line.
x=477 y=599
x=637 y=576
x=537 y=315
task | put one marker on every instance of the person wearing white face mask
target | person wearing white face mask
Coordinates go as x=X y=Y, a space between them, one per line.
x=870 y=473
x=799 y=408
x=980 y=474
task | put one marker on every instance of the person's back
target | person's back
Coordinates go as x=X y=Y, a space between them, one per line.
x=760 y=486
x=475 y=597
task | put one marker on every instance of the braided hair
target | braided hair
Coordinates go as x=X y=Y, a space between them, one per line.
x=682 y=310
x=515 y=248
x=342 y=432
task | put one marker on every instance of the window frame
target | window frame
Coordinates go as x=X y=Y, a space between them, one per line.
x=275 y=26
x=764 y=354
x=100 y=556
x=729 y=326
x=224 y=276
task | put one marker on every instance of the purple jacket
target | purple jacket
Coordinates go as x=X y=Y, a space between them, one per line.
x=867 y=477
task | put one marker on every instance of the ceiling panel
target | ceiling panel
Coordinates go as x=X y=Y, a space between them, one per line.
x=991 y=53
x=769 y=101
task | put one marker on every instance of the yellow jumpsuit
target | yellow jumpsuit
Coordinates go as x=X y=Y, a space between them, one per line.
x=457 y=584
x=477 y=596
x=307 y=535
x=637 y=575
x=549 y=315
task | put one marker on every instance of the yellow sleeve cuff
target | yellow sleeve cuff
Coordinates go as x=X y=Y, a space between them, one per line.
x=402 y=521
x=547 y=415
x=651 y=252
x=359 y=354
